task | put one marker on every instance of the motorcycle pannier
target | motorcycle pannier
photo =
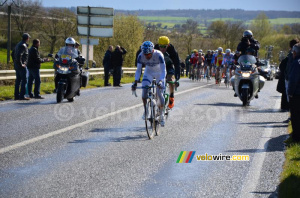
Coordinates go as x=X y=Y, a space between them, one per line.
x=84 y=79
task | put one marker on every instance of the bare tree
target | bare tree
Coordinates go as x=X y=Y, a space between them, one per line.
x=25 y=16
x=190 y=29
x=57 y=26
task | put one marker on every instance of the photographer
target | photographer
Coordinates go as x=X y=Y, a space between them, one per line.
x=248 y=42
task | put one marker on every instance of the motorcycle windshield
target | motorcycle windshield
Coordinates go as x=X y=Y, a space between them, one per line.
x=68 y=52
x=246 y=62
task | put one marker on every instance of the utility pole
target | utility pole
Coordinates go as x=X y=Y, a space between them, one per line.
x=9 y=26
x=8 y=33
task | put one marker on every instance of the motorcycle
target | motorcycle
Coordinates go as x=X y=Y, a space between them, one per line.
x=247 y=82
x=69 y=75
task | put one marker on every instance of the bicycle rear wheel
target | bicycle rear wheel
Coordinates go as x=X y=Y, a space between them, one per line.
x=150 y=119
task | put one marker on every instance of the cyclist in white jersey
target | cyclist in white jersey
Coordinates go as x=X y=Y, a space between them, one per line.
x=227 y=60
x=155 y=67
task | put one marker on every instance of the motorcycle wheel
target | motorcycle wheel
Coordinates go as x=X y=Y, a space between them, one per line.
x=60 y=93
x=245 y=97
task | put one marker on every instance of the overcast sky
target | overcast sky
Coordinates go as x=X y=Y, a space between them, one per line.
x=286 y=5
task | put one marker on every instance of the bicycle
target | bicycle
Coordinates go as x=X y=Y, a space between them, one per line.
x=152 y=116
x=227 y=77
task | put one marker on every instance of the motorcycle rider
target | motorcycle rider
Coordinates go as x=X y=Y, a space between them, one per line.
x=155 y=67
x=170 y=52
x=248 y=41
x=68 y=49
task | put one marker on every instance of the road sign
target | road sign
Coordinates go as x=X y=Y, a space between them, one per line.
x=95 y=11
x=95 y=20
x=91 y=41
x=96 y=32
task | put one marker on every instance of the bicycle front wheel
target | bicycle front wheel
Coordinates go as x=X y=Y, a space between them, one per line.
x=150 y=119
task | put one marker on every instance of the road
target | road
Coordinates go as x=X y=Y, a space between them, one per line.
x=97 y=146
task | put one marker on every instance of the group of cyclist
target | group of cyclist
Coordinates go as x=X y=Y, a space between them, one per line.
x=162 y=62
x=213 y=63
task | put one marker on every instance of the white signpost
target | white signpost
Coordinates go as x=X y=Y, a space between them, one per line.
x=95 y=22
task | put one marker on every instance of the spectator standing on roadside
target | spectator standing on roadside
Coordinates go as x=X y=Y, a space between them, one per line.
x=20 y=62
x=107 y=65
x=33 y=66
x=294 y=92
x=117 y=62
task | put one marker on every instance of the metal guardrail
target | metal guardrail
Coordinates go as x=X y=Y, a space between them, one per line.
x=11 y=74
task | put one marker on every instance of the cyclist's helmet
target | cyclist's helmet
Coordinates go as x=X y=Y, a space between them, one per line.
x=247 y=33
x=70 y=41
x=227 y=51
x=147 y=47
x=237 y=52
x=208 y=51
x=200 y=51
x=220 y=49
x=163 y=40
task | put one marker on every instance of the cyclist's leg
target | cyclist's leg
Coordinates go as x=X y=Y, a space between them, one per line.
x=171 y=77
x=147 y=80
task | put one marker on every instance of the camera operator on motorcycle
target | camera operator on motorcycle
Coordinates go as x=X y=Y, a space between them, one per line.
x=248 y=41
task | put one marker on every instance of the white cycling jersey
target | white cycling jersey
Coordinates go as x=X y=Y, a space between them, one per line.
x=155 y=67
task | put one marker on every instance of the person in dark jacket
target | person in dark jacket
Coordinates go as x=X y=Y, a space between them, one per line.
x=33 y=66
x=294 y=92
x=248 y=42
x=107 y=65
x=173 y=69
x=20 y=62
x=117 y=62
x=281 y=85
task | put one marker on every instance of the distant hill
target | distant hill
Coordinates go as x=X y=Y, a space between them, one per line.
x=212 y=14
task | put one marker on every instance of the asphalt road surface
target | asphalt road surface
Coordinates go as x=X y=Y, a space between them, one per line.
x=97 y=146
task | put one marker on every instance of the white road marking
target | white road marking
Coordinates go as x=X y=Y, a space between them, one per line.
x=252 y=178
x=60 y=131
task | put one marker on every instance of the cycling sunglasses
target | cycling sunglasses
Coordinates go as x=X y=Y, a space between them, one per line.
x=163 y=46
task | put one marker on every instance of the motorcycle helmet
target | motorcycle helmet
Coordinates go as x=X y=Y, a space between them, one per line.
x=247 y=33
x=227 y=51
x=163 y=40
x=147 y=47
x=70 y=41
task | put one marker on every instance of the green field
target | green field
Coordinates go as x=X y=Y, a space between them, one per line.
x=3 y=55
x=171 y=21
x=160 y=18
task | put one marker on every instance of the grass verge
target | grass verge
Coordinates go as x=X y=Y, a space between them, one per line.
x=47 y=85
x=290 y=176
